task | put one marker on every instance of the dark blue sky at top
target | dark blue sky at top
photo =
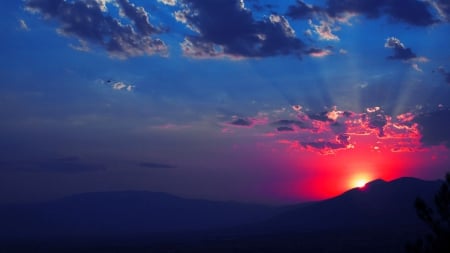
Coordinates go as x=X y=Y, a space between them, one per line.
x=181 y=96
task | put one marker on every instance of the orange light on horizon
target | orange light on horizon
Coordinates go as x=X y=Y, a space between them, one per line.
x=359 y=181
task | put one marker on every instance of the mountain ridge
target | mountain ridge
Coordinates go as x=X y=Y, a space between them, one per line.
x=118 y=213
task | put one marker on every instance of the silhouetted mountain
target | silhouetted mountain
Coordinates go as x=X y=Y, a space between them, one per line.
x=125 y=214
x=379 y=217
x=378 y=204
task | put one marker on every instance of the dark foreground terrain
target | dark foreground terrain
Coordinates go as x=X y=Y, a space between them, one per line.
x=377 y=218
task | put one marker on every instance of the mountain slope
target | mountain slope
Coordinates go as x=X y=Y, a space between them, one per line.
x=378 y=204
x=124 y=214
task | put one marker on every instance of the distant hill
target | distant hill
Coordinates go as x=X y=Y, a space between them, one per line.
x=125 y=214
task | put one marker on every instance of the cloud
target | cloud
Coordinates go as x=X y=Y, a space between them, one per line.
x=122 y=86
x=322 y=116
x=285 y=129
x=87 y=21
x=168 y=2
x=442 y=7
x=318 y=52
x=23 y=25
x=444 y=73
x=303 y=10
x=287 y=122
x=152 y=165
x=241 y=122
x=376 y=119
x=117 y=85
x=413 y=12
x=83 y=46
x=329 y=147
x=335 y=130
x=403 y=53
x=416 y=67
x=434 y=127
x=225 y=28
x=400 y=51
x=324 y=30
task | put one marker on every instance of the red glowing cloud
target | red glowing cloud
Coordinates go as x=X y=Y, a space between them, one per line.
x=333 y=151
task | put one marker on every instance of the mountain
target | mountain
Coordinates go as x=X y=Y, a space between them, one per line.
x=379 y=217
x=379 y=204
x=124 y=214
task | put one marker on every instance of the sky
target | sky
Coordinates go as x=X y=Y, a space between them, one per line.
x=246 y=100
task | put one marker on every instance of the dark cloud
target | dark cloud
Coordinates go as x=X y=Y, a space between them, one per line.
x=139 y=17
x=444 y=73
x=443 y=8
x=343 y=139
x=258 y=6
x=302 y=10
x=324 y=145
x=287 y=122
x=323 y=116
x=348 y=114
x=284 y=129
x=400 y=51
x=413 y=12
x=376 y=119
x=434 y=127
x=241 y=122
x=88 y=22
x=226 y=28
x=151 y=165
x=338 y=127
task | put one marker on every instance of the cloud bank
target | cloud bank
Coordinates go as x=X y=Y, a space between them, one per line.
x=89 y=22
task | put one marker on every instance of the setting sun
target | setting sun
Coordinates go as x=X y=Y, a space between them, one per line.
x=359 y=181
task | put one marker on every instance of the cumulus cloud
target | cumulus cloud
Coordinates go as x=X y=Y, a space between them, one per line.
x=400 y=51
x=87 y=20
x=403 y=53
x=225 y=28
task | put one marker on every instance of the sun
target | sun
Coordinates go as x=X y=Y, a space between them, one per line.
x=359 y=181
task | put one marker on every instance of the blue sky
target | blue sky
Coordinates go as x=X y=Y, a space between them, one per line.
x=225 y=99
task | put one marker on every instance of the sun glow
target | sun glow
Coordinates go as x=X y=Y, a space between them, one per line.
x=359 y=181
